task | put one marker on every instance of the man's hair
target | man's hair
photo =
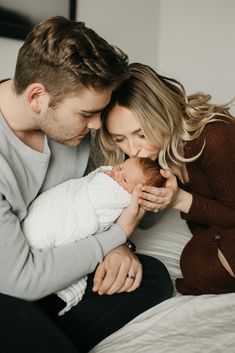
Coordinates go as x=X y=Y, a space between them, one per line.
x=151 y=170
x=66 y=56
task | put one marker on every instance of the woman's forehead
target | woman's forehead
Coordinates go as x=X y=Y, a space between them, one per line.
x=122 y=121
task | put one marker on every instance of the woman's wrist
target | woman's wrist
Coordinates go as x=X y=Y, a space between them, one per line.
x=183 y=202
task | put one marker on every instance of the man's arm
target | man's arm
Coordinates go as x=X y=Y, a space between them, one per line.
x=112 y=274
x=33 y=274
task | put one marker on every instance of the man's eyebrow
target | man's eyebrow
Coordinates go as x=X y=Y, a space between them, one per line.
x=92 y=111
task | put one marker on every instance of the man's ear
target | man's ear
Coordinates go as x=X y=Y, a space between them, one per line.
x=36 y=96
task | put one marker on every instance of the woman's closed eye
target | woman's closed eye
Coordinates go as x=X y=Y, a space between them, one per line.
x=118 y=139
x=121 y=139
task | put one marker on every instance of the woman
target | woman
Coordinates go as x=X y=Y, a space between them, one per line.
x=151 y=116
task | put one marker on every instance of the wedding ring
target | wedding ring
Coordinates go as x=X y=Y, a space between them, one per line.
x=131 y=277
x=155 y=211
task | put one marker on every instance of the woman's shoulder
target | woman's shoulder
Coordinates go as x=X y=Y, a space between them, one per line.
x=222 y=126
x=219 y=127
x=216 y=135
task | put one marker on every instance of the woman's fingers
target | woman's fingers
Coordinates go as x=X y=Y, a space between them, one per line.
x=152 y=198
x=157 y=201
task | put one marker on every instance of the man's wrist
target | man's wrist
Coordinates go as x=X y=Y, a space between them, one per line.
x=130 y=245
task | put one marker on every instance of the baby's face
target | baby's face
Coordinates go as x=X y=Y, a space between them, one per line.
x=128 y=174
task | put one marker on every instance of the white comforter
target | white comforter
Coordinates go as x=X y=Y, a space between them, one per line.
x=182 y=324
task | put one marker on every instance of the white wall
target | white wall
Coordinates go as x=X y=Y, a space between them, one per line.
x=191 y=40
x=133 y=25
x=197 y=45
x=8 y=54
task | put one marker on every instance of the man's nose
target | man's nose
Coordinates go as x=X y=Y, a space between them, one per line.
x=94 y=122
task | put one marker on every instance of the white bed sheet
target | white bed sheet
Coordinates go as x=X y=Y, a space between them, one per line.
x=182 y=324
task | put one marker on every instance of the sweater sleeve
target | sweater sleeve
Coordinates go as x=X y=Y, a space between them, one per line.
x=217 y=163
x=32 y=274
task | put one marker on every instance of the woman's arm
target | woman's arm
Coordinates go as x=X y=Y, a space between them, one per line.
x=217 y=165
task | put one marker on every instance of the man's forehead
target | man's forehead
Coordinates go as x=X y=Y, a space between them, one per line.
x=89 y=102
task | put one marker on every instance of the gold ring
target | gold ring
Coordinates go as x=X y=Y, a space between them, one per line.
x=131 y=277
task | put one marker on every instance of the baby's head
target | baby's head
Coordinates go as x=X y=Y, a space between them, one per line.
x=151 y=171
x=135 y=171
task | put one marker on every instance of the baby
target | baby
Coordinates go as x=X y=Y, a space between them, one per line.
x=135 y=171
x=81 y=207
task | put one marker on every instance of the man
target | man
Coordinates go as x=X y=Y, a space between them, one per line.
x=64 y=77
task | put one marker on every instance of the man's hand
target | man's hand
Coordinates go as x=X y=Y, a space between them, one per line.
x=111 y=275
x=132 y=214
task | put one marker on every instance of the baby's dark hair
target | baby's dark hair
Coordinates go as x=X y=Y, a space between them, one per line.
x=151 y=170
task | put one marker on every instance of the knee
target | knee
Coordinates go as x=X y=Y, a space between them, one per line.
x=156 y=278
x=202 y=270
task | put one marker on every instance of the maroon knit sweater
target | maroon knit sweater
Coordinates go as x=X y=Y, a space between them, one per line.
x=211 y=217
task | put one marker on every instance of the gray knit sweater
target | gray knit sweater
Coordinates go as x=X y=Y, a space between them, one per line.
x=24 y=172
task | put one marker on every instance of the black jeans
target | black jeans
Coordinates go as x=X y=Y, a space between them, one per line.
x=36 y=327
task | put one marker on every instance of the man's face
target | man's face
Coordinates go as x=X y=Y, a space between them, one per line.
x=128 y=174
x=74 y=117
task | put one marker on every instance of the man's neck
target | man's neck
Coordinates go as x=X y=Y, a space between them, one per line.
x=17 y=117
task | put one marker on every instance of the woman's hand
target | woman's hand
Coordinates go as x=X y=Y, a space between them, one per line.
x=157 y=199
x=111 y=275
x=154 y=199
x=132 y=214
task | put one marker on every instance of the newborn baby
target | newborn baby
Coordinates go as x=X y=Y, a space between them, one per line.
x=81 y=207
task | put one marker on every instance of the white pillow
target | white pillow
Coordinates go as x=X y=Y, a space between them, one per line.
x=165 y=240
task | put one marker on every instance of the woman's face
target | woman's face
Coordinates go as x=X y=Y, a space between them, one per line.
x=126 y=132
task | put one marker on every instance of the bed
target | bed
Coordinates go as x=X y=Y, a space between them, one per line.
x=182 y=324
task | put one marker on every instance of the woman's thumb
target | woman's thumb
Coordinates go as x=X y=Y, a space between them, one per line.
x=165 y=173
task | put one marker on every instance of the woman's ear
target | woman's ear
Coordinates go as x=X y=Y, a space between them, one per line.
x=36 y=97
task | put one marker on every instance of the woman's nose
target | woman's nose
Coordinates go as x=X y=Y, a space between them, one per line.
x=134 y=150
x=94 y=122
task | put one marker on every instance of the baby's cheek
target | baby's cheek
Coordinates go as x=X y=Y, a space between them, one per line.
x=124 y=185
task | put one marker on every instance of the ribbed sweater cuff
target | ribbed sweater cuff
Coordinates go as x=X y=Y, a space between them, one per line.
x=111 y=238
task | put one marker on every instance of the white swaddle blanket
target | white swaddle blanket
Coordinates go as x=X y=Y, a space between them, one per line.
x=72 y=211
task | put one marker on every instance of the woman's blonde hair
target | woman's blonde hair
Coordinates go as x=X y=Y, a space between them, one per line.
x=160 y=104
